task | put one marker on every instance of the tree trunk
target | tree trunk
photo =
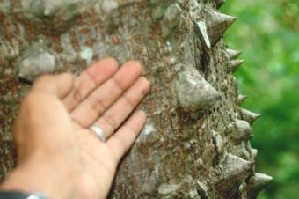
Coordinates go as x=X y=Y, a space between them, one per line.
x=196 y=141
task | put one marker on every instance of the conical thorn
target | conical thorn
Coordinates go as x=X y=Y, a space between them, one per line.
x=233 y=54
x=234 y=171
x=241 y=99
x=204 y=35
x=235 y=64
x=244 y=131
x=37 y=59
x=258 y=182
x=194 y=92
x=254 y=153
x=217 y=23
x=248 y=115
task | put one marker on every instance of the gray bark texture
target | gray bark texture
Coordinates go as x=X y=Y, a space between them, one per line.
x=196 y=143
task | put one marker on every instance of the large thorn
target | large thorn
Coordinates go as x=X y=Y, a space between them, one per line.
x=203 y=31
x=36 y=60
x=258 y=182
x=244 y=130
x=234 y=171
x=217 y=23
x=194 y=92
x=254 y=153
x=233 y=54
x=241 y=99
x=248 y=115
x=235 y=64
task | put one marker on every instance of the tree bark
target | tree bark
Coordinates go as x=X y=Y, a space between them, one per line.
x=196 y=143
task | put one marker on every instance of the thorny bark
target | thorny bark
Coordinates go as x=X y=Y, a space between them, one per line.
x=196 y=142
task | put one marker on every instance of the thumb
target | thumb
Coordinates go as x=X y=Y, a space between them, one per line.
x=58 y=85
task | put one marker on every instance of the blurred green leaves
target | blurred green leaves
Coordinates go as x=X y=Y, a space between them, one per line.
x=267 y=31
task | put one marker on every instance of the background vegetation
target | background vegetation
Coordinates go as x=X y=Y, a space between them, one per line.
x=268 y=34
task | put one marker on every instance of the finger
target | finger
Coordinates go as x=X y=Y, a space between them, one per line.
x=105 y=95
x=90 y=79
x=59 y=85
x=119 y=112
x=124 y=138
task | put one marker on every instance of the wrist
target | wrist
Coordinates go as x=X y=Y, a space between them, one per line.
x=20 y=195
x=23 y=182
x=51 y=179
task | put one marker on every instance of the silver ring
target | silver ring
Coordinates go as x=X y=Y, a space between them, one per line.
x=99 y=132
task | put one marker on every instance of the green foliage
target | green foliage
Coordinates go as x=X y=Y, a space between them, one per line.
x=268 y=34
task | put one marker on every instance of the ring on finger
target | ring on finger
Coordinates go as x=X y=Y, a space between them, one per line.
x=99 y=132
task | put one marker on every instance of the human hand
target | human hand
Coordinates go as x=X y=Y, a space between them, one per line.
x=57 y=153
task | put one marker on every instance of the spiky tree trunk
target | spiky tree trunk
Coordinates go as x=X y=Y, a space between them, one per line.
x=196 y=142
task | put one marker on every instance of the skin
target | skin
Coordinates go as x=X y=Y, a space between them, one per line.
x=57 y=153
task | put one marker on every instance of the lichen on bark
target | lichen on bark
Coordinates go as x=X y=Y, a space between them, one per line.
x=195 y=144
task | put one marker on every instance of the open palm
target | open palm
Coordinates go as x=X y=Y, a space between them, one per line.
x=63 y=158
